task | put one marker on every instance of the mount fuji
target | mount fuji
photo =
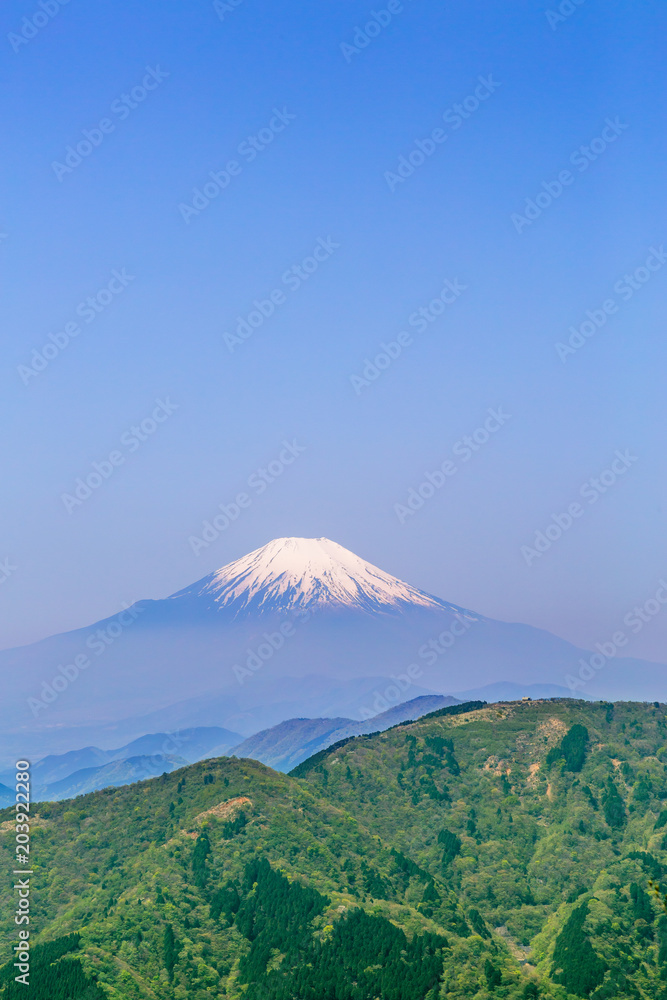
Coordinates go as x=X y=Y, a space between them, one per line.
x=307 y=574
x=299 y=627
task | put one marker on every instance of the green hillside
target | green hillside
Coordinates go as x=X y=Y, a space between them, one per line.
x=500 y=853
x=546 y=817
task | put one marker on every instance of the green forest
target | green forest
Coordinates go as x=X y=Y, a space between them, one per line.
x=513 y=851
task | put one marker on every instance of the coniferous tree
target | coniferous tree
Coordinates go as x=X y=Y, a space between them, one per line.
x=169 y=951
x=575 y=964
x=614 y=808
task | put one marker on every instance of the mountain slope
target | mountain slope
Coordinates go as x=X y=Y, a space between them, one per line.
x=408 y=710
x=548 y=817
x=192 y=744
x=284 y=746
x=506 y=691
x=290 y=610
x=189 y=745
x=227 y=878
x=307 y=574
x=289 y=743
x=259 y=705
x=117 y=772
x=504 y=852
x=55 y=767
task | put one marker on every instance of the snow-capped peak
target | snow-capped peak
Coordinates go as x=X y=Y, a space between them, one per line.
x=289 y=574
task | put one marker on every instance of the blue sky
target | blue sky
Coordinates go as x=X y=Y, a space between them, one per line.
x=332 y=126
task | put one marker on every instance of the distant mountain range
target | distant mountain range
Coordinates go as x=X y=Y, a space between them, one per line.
x=65 y=775
x=283 y=746
x=297 y=628
x=118 y=772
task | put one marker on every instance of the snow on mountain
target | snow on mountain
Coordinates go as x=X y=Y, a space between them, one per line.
x=293 y=574
x=216 y=654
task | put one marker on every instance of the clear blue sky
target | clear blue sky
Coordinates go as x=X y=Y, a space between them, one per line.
x=339 y=121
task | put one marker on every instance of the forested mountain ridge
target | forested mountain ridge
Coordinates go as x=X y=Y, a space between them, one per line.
x=224 y=878
x=547 y=817
x=504 y=852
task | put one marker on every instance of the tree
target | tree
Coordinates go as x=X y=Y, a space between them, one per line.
x=169 y=951
x=201 y=851
x=571 y=749
x=614 y=808
x=451 y=844
x=493 y=975
x=477 y=923
x=576 y=966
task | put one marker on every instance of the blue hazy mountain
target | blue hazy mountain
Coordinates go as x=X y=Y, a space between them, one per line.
x=261 y=628
x=118 y=772
x=189 y=745
x=289 y=743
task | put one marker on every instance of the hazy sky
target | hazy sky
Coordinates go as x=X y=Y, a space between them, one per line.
x=334 y=195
